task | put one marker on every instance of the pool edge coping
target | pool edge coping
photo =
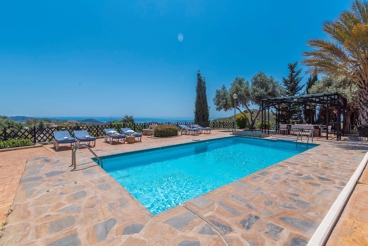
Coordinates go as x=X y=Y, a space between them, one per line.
x=157 y=148
x=324 y=230
x=197 y=141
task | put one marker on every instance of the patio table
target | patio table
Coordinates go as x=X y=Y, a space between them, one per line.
x=130 y=139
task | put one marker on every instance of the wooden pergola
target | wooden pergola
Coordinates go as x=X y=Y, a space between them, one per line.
x=330 y=100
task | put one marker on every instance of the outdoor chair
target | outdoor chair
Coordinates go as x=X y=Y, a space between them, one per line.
x=111 y=134
x=188 y=130
x=83 y=136
x=327 y=130
x=202 y=129
x=283 y=129
x=63 y=137
x=294 y=129
x=130 y=132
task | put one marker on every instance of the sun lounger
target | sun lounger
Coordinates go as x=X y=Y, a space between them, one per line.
x=111 y=134
x=188 y=130
x=202 y=129
x=130 y=132
x=83 y=136
x=63 y=137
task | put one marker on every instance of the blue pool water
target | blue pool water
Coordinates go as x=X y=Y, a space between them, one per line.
x=164 y=178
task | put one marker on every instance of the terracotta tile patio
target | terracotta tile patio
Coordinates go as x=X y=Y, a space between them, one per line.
x=12 y=165
x=280 y=205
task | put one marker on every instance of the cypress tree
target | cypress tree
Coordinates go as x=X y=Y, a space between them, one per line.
x=310 y=82
x=201 y=111
x=292 y=88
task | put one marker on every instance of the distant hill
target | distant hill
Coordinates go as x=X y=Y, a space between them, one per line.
x=91 y=121
x=231 y=118
x=21 y=119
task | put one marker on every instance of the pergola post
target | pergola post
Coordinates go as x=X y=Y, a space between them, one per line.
x=344 y=112
x=268 y=124
x=326 y=121
x=338 y=123
x=262 y=118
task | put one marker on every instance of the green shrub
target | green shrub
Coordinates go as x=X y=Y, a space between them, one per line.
x=265 y=125
x=117 y=125
x=12 y=143
x=165 y=131
x=241 y=121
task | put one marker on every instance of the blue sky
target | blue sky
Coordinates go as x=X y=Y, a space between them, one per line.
x=116 y=58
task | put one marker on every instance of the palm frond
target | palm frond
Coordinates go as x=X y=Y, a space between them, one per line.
x=347 y=53
x=360 y=9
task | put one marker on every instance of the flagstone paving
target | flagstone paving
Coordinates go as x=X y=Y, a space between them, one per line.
x=280 y=205
x=352 y=227
x=11 y=168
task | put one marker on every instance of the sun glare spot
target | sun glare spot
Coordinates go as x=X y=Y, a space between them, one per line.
x=180 y=37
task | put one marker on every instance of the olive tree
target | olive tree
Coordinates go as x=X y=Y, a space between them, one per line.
x=250 y=95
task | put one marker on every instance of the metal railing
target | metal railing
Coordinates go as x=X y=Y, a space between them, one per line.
x=310 y=134
x=74 y=155
x=297 y=137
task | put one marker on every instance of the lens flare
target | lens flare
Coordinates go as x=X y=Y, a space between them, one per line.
x=180 y=37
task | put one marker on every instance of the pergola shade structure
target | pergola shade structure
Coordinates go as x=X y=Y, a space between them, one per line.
x=332 y=101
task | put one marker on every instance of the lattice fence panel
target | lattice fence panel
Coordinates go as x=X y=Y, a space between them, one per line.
x=45 y=135
x=140 y=126
x=95 y=130
x=222 y=124
x=22 y=133
x=183 y=123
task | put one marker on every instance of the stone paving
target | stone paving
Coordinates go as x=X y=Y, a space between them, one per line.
x=352 y=227
x=280 y=205
x=11 y=168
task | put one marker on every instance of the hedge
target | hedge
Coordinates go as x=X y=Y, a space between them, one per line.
x=165 y=131
x=12 y=143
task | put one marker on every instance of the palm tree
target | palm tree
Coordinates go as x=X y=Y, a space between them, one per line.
x=128 y=119
x=346 y=54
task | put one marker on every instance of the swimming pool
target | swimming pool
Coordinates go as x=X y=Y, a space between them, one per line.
x=164 y=178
